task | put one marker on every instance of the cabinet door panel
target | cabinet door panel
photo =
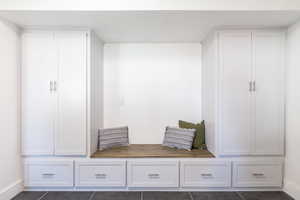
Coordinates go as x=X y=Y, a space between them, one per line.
x=235 y=98
x=71 y=86
x=38 y=69
x=268 y=57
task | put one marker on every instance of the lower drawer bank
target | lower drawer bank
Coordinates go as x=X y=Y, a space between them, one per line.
x=152 y=173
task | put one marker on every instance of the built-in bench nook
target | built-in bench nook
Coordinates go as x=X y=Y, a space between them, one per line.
x=150 y=151
x=149 y=90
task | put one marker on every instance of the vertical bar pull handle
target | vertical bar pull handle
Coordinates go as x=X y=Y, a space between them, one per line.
x=250 y=86
x=51 y=86
x=55 y=85
x=254 y=86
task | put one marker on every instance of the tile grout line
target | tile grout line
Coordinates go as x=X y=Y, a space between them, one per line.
x=92 y=196
x=43 y=196
x=241 y=196
x=191 y=196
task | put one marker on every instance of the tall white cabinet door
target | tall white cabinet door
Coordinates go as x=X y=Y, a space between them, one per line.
x=235 y=98
x=71 y=125
x=38 y=69
x=268 y=61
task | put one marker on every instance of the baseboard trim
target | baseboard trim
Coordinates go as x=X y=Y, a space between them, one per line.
x=11 y=190
x=150 y=189
x=292 y=189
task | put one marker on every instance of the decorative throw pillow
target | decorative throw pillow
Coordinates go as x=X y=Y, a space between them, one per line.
x=113 y=137
x=179 y=138
x=199 y=140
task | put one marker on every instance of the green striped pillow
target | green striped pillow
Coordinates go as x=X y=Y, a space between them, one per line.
x=199 y=139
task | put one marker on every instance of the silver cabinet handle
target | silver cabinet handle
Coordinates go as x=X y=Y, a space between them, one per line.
x=48 y=174
x=51 y=86
x=102 y=176
x=254 y=86
x=258 y=174
x=153 y=176
x=250 y=86
x=207 y=175
x=55 y=86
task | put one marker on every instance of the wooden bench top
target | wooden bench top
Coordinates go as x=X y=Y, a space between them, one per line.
x=150 y=151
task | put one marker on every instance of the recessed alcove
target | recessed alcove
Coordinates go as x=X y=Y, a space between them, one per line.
x=147 y=70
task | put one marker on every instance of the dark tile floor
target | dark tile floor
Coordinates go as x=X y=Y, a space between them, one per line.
x=152 y=196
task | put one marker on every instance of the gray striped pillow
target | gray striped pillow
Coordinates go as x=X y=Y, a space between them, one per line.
x=179 y=138
x=113 y=137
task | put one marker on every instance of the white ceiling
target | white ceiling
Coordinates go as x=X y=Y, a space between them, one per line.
x=152 y=26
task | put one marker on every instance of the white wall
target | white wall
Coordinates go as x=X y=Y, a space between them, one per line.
x=150 y=5
x=292 y=173
x=10 y=161
x=150 y=86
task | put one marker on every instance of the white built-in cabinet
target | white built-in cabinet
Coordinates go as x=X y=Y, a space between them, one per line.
x=243 y=108
x=54 y=92
x=160 y=173
x=244 y=89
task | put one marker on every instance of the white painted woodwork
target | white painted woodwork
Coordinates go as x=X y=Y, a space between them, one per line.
x=257 y=174
x=70 y=137
x=235 y=98
x=95 y=91
x=205 y=174
x=39 y=173
x=268 y=74
x=153 y=173
x=54 y=93
x=100 y=173
x=241 y=120
x=244 y=92
x=39 y=67
x=292 y=125
x=209 y=83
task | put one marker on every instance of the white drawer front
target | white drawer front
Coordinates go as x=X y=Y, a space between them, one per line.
x=153 y=174
x=48 y=173
x=101 y=173
x=205 y=174
x=257 y=174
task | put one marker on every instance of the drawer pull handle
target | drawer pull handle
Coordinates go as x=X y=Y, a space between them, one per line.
x=207 y=175
x=258 y=174
x=153 y=176
x=100 y=175
x=48 y=174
